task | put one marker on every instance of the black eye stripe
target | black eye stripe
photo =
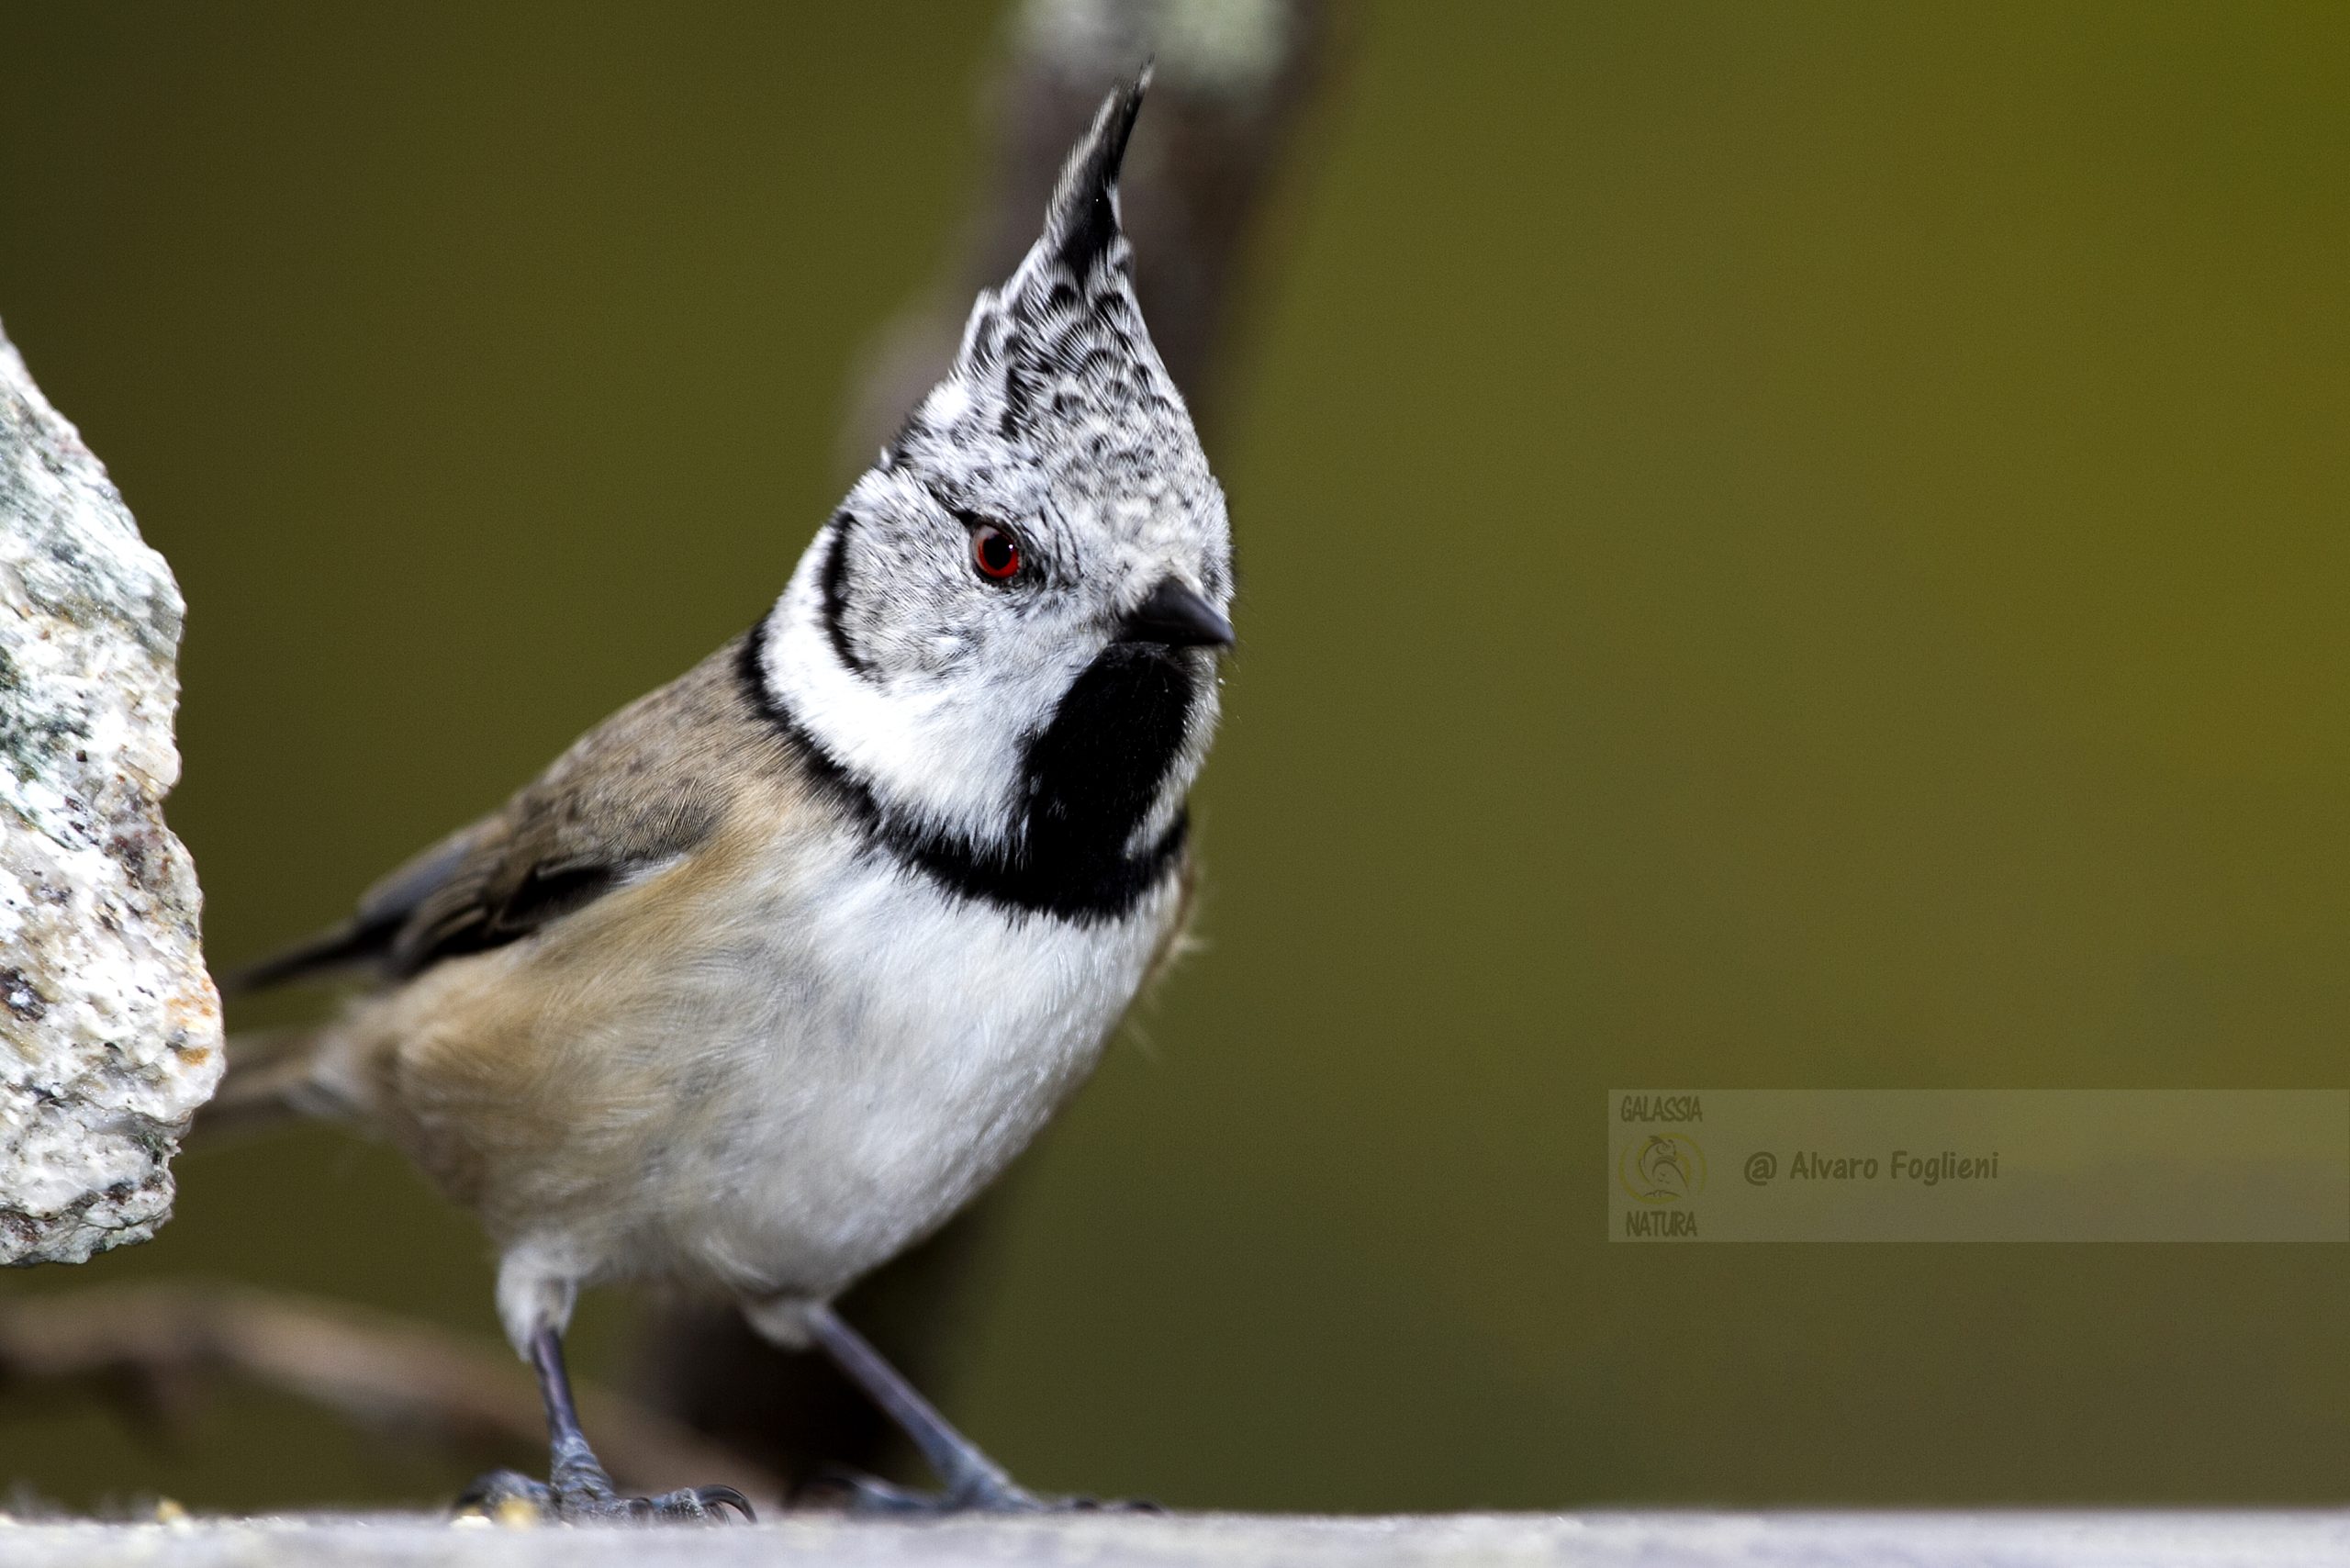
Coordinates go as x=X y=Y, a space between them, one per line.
x=833 y=582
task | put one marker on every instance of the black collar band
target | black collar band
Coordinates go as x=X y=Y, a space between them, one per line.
x=1084 y=799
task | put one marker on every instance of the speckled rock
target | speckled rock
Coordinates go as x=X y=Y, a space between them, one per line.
x=109 y=1027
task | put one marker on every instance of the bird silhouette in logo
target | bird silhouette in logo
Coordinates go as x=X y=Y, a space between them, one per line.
x=1664 y=1170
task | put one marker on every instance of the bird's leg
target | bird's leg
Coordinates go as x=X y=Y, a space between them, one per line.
x=972 y=1482
x=573 y=1469
x=971 y=1479
x=578 y=1489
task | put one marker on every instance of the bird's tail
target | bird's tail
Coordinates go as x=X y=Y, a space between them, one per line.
x=270 y=1079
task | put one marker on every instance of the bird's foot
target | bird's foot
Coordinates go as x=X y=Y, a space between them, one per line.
x=506 y=1495
x=969 y=1495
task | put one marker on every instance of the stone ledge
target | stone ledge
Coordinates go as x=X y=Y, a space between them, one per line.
x=2115 y=1540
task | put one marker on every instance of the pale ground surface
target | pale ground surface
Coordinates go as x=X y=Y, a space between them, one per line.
x=1604 y=1541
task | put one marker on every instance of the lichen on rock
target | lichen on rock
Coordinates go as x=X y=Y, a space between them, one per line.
x=109 y=1027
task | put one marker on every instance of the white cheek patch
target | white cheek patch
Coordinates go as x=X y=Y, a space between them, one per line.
x=944 y=755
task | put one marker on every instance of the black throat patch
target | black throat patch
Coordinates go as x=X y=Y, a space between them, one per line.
x=1088 y=781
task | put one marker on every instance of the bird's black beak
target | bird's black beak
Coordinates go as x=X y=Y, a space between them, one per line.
x=1176 y=617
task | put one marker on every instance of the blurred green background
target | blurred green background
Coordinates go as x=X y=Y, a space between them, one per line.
x=1783 y=546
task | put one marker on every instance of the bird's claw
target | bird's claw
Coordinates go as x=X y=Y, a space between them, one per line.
x=506 y=1494
x=703 y=1503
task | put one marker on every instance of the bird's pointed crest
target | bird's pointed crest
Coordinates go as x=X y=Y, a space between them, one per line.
x=1082 y=230
x=1066 y=321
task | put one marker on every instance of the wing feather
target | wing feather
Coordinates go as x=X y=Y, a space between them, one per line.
x=648 y=785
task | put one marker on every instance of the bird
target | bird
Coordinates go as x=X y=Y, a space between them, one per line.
x=777 y=967
x=1665 y=1168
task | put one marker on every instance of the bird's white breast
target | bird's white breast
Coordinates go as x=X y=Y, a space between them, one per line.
x=887 y=1048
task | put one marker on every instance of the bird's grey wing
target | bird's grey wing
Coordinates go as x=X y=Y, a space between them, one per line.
x=564 y=843
x=365 y=940
x=643 y=788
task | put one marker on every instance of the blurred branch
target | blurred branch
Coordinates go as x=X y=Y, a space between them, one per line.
x=153 y=1347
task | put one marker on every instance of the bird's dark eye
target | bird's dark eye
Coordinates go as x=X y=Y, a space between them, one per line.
x=995 y=552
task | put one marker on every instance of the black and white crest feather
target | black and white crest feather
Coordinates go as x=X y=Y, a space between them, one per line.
x=1082 y=228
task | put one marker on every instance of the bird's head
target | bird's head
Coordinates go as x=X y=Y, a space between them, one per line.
x=1013 y=621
